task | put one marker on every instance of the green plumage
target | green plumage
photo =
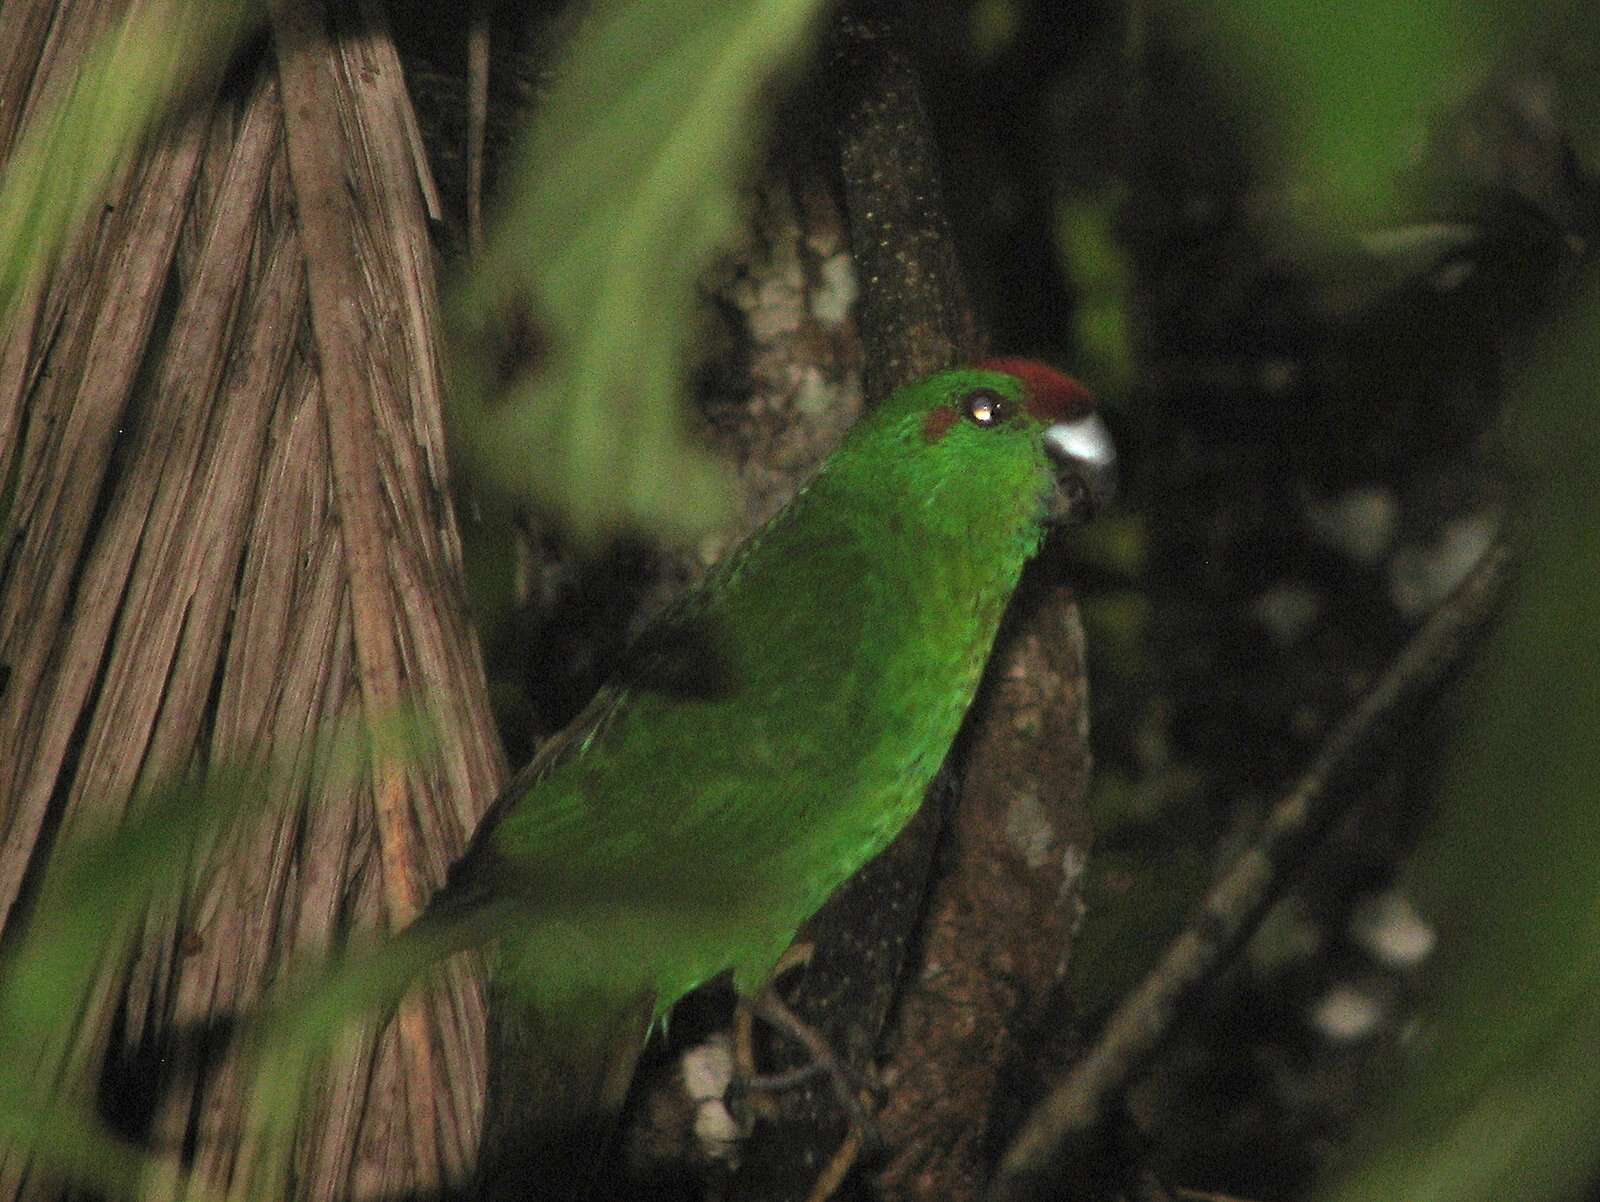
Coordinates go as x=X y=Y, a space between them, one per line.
x=769 y=734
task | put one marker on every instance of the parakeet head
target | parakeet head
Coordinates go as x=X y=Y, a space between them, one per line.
x=1008 y=440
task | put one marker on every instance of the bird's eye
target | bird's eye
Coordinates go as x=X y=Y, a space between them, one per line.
x=987 y=408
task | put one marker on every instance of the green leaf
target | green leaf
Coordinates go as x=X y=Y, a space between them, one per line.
x=1351 y=86
x=621 y=195
x=66 y=155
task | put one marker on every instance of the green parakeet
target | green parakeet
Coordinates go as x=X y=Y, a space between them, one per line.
x=769 y=734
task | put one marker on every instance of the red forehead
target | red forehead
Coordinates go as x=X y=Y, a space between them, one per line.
x=1051 y=396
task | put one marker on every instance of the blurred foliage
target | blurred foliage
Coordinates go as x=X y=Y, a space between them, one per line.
x=1350 y=88
x=92 y=901
x=625 y=187
x=94 y=896
x=1501 y=1091
x=1348 y=93
x=68 y=152
x=1086 y=232
x=993 y=25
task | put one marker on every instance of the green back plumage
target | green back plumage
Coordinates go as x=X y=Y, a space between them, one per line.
x=778 y=726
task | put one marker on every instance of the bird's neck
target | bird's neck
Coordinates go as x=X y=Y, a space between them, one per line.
x=948 y=541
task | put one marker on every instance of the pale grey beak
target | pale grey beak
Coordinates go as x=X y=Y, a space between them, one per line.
x=1085 y=459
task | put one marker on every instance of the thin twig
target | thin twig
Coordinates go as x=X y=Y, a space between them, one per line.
x=838 y=1168
x=426 y=184
x=1200 y=1195
x=477 y=118
x=1242 y=895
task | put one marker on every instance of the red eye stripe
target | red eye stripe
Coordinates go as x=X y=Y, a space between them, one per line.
x=1051 y=396
x=938 y=422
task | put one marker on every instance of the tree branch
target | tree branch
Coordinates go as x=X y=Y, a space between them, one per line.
x=1060 y=1125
